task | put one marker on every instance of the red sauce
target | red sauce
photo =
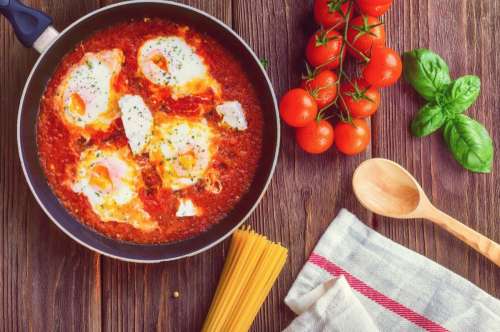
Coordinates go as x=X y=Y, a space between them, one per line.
x=238 y=151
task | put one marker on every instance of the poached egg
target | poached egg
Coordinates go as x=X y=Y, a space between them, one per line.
x=182 y=149
x=85 y=97
x=169 y=61
x=110 y=179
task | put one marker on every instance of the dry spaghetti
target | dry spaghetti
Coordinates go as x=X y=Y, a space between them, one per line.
x=252 y=266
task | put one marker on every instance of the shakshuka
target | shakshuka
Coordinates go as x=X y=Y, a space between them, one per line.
x=150 y=131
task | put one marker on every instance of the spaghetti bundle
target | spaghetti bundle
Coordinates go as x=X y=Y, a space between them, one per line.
x=252 y=266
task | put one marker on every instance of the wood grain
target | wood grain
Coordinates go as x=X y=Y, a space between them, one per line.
x=47 y=282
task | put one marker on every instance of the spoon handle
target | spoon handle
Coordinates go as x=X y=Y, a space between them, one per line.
x=490 y=249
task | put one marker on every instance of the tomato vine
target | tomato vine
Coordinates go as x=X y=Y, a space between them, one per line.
x=341 y=72
x=328 y=91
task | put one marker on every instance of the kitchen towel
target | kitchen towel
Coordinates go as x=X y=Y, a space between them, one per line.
x=359 y=280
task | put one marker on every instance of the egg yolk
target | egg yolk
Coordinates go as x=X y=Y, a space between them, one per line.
x=100 y=178
x=188 y=160
x=160 y=61
x=76 y=104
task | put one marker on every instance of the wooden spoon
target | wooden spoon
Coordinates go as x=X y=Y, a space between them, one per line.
x=386 y=188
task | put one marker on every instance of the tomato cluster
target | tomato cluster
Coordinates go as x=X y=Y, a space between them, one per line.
x=348 y=27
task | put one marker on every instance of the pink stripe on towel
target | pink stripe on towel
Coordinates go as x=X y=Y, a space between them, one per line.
x=374 y=295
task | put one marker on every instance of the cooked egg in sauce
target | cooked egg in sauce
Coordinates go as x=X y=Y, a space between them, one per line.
x=182 y=149
x=85 y=97
x=170 y=61
x=110 y=179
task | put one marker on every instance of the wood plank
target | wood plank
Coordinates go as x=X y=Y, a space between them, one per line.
x=139 y=297
x=466 y=38
x=307 y=191
x=48 y=282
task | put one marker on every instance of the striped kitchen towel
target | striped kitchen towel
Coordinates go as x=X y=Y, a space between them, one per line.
x=359 y=280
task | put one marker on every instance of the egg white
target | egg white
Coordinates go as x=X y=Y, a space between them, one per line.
x=233 y=115
x=85 y=96
x=169 y=61
x=137 y=122
x=186 y=209
x=110 y=179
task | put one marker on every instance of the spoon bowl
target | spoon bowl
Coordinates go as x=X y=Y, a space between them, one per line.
x=386 y=188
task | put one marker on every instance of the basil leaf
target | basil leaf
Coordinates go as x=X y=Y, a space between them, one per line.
x=426 y=72
x=470 y=143
x=462 y=93
x=264 y=62
x=429 y=119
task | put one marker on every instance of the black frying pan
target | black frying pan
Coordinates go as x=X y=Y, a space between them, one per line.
x=34 y=29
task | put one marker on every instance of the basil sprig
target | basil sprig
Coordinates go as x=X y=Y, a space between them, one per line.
x=467 y=139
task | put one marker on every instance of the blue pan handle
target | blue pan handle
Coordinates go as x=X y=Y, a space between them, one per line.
x=28 y=23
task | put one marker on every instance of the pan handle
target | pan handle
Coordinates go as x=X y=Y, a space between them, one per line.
x=28 y=23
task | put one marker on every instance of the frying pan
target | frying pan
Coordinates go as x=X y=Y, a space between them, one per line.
x=34 y=29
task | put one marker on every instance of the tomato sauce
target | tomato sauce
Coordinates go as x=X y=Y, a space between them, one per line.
x=236 y=159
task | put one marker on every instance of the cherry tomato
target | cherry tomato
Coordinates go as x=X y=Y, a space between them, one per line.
x=327 y=13
x=368 y=8
x=374 y=2
x=322 y=86
x=316 y=137
x=365 y=33
x=352 y=138
x=384 y=67
x=359 y=98
x=323 y=49
x=298 y=108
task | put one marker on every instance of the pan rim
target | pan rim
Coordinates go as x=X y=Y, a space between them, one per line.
x=269 y=176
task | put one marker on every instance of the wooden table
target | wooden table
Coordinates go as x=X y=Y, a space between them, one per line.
x=48 y=282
